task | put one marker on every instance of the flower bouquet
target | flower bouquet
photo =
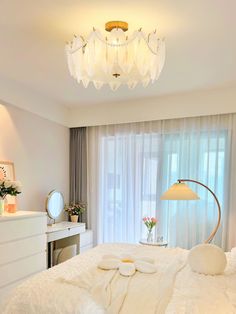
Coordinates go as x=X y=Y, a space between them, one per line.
x=75 y=211
x=150 y=223
x=8 y=187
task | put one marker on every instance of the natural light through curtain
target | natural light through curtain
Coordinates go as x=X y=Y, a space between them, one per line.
x=131 y=165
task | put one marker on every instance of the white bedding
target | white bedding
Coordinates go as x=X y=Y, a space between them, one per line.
x=78 y=286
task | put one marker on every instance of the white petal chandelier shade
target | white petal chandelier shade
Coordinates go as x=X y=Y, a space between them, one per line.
x=117 y=58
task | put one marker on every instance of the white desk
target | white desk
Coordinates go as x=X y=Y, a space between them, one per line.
x=59 y=231
x=63 y=230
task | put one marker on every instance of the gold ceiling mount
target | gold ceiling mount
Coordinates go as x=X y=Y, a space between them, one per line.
x=109 y=26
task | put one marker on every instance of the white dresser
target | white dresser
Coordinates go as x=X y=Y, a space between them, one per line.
x=22 y=248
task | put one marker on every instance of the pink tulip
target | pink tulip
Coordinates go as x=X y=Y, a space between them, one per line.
x=150 y=222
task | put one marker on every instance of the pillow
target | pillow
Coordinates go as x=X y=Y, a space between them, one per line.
x=207 y=259
x=127 y=265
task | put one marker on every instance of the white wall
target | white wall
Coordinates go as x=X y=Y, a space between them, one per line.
x=24 y=97
x=198 y=103
x=39 y=149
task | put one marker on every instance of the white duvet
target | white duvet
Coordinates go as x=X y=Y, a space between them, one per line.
x=78 y=286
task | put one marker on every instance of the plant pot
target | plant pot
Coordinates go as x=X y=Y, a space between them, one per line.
x=74 y=218
x=2 y=206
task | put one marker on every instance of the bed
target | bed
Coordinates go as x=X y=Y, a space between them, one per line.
x=78 y=286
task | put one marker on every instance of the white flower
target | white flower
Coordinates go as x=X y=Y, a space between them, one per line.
x=8 y=184
x=17 y=184
x=128 y=265
x=18 y=189
x=12 y=184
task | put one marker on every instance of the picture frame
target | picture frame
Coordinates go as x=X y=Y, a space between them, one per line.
x=7 y=171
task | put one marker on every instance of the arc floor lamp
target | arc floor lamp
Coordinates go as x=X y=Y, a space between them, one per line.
x=181 y=191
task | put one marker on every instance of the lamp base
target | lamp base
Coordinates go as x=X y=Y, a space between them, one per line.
x=207 y=259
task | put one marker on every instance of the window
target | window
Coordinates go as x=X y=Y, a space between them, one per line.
x=135 y=169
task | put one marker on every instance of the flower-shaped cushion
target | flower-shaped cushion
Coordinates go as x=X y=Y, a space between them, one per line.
x=128 y=265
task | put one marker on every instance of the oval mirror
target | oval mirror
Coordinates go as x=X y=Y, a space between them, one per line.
x=54 y=204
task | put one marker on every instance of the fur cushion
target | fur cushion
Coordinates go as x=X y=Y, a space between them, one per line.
x=207 y=259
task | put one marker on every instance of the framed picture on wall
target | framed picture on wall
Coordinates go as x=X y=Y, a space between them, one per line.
x=7 y=171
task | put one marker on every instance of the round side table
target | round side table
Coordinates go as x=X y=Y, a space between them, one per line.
x=153 y=243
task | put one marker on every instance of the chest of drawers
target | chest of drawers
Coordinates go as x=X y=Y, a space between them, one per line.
x=22 y=248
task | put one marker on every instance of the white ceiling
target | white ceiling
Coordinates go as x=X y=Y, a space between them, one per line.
x=200 y=39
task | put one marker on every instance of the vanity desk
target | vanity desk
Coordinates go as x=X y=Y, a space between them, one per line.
x=64 y=239
x=61 y=231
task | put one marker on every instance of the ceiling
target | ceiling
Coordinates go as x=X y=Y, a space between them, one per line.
x=200 y=40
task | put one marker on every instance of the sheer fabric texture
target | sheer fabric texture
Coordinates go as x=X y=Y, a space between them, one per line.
x=131 y=165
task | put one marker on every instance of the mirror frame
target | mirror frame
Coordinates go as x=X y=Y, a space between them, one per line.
x=50 y=194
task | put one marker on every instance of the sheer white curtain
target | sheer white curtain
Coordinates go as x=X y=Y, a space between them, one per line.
x=131 y=165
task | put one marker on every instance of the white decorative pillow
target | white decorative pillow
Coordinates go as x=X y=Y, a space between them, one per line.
x=128 y=265
x=207 y=259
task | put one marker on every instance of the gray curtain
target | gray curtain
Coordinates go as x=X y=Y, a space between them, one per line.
x=78 y=167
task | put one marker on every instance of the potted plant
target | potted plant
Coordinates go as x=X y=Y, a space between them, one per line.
x=75 y=211
x=150 y=223
x=8 y=187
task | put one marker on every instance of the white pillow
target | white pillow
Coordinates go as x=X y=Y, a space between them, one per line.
x=207 y=259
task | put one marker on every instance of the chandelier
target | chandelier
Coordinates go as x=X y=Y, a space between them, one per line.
x=117 y=58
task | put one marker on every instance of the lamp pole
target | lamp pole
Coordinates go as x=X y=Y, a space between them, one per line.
x=211 y=236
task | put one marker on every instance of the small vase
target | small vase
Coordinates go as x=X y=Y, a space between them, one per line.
x=74 y=218
x=2 y=205
x=11 y=208
x=150 y=236
x=5 y=204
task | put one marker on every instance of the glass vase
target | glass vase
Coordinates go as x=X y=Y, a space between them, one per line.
x=2 y=204
x=5 y=204
x=150 y=236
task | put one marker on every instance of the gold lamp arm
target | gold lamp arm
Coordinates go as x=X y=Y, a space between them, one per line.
x=211 y=236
